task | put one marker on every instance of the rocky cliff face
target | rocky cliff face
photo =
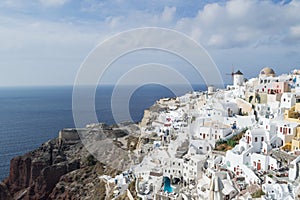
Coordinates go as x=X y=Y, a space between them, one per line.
x=35 y=174
x=56 y=170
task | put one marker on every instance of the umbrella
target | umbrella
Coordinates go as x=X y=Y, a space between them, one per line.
x=216 y=187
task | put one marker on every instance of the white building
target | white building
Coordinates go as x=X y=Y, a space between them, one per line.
x=286 y=131
x=213 y=133
x=200 y=147
x=276 y=191
x=238 y=78
x=255 y=138
x=173 y=168
x=288 y=100
x=263 y=162
x=192 y=165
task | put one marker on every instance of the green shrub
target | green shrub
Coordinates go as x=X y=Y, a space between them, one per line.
x=231 y=142
x=258 y=194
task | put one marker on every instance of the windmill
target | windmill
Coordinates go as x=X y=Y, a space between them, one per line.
x=237 y=77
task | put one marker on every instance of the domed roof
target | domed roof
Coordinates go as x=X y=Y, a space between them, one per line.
x=267 y=71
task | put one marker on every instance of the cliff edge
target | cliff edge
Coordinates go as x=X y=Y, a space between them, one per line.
x=61 y=168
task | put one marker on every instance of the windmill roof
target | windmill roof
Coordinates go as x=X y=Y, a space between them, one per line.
x=238 y=73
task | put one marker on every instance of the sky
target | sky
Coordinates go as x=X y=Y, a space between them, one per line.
x=44 y=42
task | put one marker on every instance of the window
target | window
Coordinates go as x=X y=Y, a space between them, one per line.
x=289 y=130
x=280 y=129
x=262 y=139
x=255 y=139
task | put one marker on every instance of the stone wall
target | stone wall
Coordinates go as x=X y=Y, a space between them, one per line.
x=66 y=135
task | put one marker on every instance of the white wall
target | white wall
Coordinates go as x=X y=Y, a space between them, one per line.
x=294 y=171
x=287 y=100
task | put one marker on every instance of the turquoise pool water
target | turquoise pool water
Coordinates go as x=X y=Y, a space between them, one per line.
x=167 y=185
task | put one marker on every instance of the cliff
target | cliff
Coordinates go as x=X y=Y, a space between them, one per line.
x=60 y=169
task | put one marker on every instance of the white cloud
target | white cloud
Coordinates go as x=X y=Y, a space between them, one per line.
x=237 y=8
x=216 y=40
x=262 y=29
x=295 y=32
x=168 y=14
x=240 y=23
x=235 y=23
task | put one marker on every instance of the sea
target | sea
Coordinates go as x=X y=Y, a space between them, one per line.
x=30 y=116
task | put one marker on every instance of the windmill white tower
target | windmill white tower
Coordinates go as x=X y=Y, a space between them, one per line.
x=238 y=78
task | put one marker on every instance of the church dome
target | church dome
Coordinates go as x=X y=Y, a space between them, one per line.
x=267 y=71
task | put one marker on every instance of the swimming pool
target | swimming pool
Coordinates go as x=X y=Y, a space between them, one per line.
x=167 y=185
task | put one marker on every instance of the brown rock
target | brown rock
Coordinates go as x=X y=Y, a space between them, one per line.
x=20 y=173
x=4 y=193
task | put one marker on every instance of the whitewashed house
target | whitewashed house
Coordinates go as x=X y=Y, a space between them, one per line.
x=192 y=165
x=250 y=176
x=200 y=146
x=276 y=191
x=286 y=130
x=255 y=138
x=213 y=133
x=237 y=157
x=263 y=162
x=288 y=100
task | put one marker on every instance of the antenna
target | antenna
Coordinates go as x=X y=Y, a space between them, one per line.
x=232 y=71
